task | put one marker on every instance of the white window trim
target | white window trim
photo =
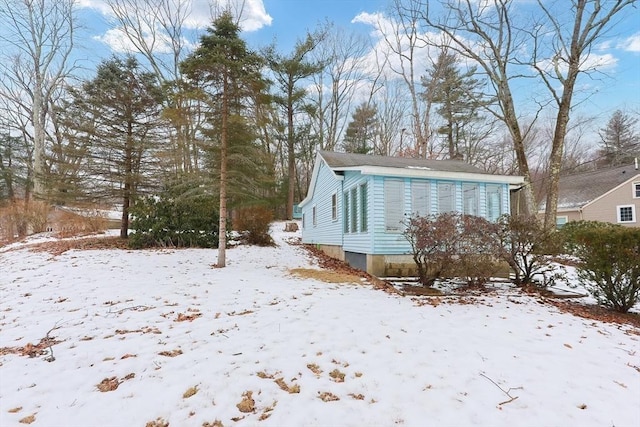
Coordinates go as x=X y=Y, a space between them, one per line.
x=564 y=217
x=633 y=189
x=633 y=214
x=334 y=206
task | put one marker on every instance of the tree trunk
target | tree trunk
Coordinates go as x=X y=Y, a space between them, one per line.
x=222 y=228
x=128 y=180
x=38 y=140
x=291 y=159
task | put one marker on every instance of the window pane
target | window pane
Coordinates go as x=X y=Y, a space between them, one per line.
x=363 y=208
x=420 y=198
x=354 y=209
x=393 y=204
x=446 y=197
x=334 y=206
x=470 y=199
x=626 y=213
x=561 y=221
x=637 y=188
x=345 y=212
x=494 y=202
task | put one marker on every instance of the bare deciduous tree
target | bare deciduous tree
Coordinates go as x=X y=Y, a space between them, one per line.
x=571 y=39
x=42 y=35
x=334 y=88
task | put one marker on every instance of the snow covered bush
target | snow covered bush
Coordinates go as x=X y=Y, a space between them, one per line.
x=609 y=262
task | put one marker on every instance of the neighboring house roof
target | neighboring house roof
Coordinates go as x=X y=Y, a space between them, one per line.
x=578 y=190
x=404 y=167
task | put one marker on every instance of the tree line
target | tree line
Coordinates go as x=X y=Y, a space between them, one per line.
x=244 y=124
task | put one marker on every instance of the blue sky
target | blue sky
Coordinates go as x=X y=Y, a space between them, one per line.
x=615 y=85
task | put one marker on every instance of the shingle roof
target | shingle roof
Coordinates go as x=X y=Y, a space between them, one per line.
x=577 y=190
x=346 y=160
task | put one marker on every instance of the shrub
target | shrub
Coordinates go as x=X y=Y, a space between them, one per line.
x=478 y=250
x=524 y=245
x=253 y=224
x=20 y=217
x=609 y=262
x=433 y=241
x=183 y=220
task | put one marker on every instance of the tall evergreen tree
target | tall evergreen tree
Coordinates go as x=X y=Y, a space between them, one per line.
x=117 y=113
x=228 y=74
x=453 y=90
x=288 y=71
x=13 y=167
x=620 y=142
x=361 y=131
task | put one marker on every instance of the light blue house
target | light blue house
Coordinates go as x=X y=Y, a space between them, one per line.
x=356 y=203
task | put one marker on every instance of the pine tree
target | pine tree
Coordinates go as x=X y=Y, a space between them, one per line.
x=620 y=142
x=117 y=115
x=453 y=91
x=361 y=131
x=288 y=71
x=228 y=75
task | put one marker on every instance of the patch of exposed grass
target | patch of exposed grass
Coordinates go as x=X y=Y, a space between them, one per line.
x=325 y=275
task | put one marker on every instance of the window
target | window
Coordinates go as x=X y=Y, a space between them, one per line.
x=470 y=199
x=420 y=198
x=494 y=202
x=626 y=213
x=314 y=216
x=561 y=221
x=354 y=209
x=303 y=217
x=334 y=206
x=363 y=208
x=636 y=190
x=345 y=211
x=446 y=197
x=393 y=204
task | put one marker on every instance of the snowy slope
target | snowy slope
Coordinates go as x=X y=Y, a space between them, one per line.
x=166 y=324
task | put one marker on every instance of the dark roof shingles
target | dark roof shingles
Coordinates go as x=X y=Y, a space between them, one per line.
x=345 y=160
x=579 y=189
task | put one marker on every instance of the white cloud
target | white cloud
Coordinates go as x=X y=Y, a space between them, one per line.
x=198 y=14
x=631 y=44
x=592 y=62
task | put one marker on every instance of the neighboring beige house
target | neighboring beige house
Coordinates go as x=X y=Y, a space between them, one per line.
x=608 y=195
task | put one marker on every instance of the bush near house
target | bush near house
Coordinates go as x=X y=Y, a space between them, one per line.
x=609 y=261
x=525 y=245
x=453 y=245
x=253 y=224
x=175 y=221
x=433 y=241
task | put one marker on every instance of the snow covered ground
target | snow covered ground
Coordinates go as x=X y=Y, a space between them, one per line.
x=162 y=335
